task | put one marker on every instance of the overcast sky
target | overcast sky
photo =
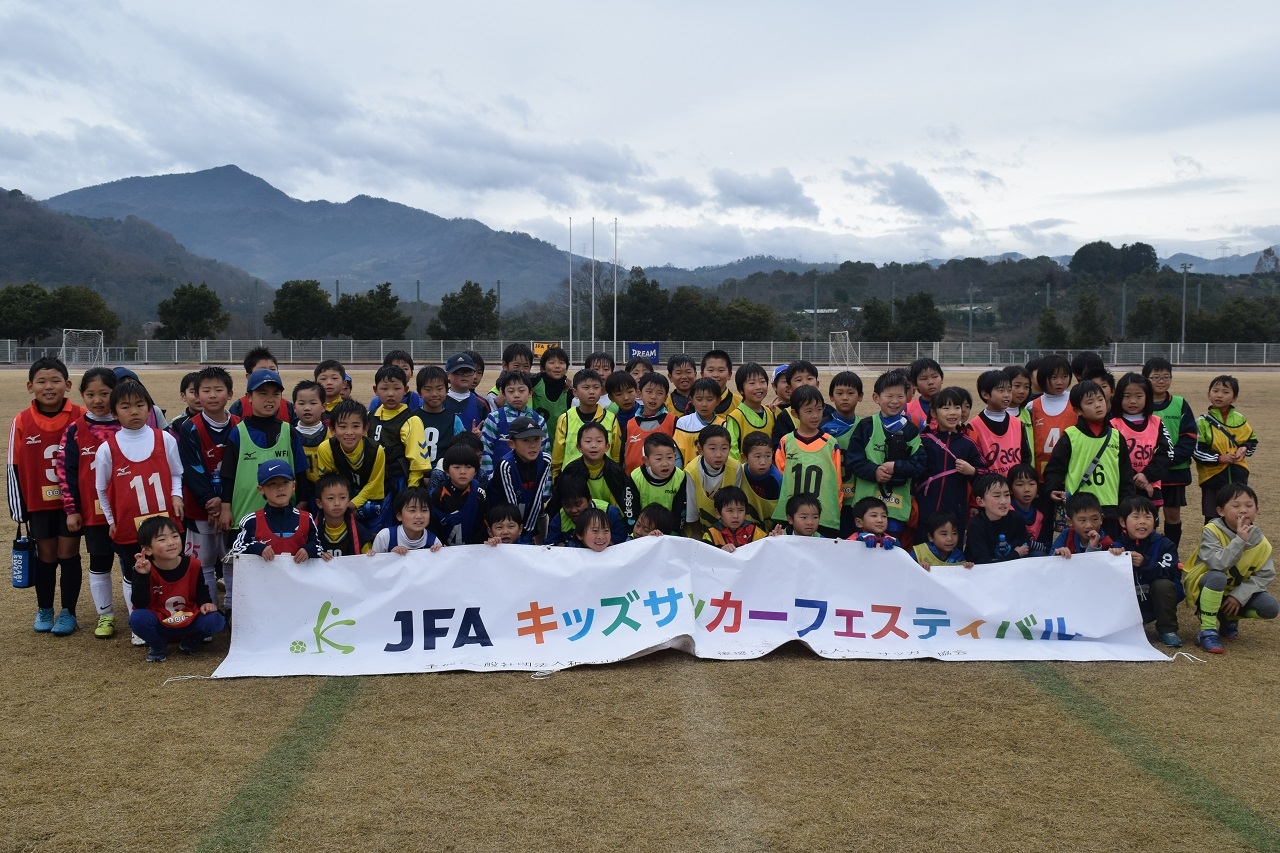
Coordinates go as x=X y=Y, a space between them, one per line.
x=711 y=131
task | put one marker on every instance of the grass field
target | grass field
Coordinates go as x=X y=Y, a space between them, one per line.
x=789 y=752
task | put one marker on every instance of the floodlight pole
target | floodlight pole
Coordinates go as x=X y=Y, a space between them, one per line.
x=1185 y=266
x=615 y=288
x=970 y=312
x=815 y=317
x=570 y=341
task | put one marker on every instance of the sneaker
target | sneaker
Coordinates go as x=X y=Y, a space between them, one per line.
x=189 y=646
x=1230 y=629
x=135 y=640
x=157 y=655
x=44 y=619
x=1171 y=639
x=106 y=627
x=1209 y=641
x=64 y=624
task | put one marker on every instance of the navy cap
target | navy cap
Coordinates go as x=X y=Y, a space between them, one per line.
x=459 y=362
x=778 y=371
x=525 y=428
x=263 y=376
x=125 y=373
x=273 y=468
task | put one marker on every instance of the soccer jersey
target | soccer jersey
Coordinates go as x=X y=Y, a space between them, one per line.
x=742 y=421
x=34 y=440
x=810 y=466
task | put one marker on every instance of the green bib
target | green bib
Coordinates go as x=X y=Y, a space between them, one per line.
x=550 y=409
x=573 y=426
x=246 y=498
x=1104 y=481
x=898 y=498
x=1171 y=416
x=567 y=527
x=812 y=471
x=664 y=495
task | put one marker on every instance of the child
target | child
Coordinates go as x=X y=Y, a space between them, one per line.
x=621 y=389
x=401 y=359
x=751 y=414
x=1083 y=533
x=1000 y=438
x=995 y=534
x=1224 y=443
x=551 y=394
x=355 y=457
x=926 y=377
x=170 y=603
x=466 y=439
x=711 y=469
x=190 y=395
x=732 y=530
x=1024 y=487
x=1050 y=414
x=571 y=496
x=951 y=459
x=655 y=520
x=202 y=444
x=341 y=533
x=660 y=479
x=394 y=426
x=137 y=475
x=781 y=389
x=278 y=528
x=1180 y=424
x=600 y=362
x=1104 y=380
x=885 y=455
x=504 y=525
x=461 y=400
x=308 y=406
x=477 y=378
x=871 y=518
x=682 y=371
x=332 y=378
x=515 y=386
x=638 y=367
x=518 y=357
x=704 y=398
x=1157 y=579
x=587 y=387
x=412 y=508
x=761 y=479
x=523 y=479
x=845 y=392
x=804 y=515
x=1020 y=382
x=651 y=417
x=1145 y=441
x=1083 y=363
x=257 y=360
x=798 y=373
x=34 y=496
x=80 y=493
x=605 y=478
x=1088 y=457
x=592 y=530
x=809 y=460
x=438 y=426
x=458 y=507
x=156 y=418
x=942 y=543
x=1227 y=577
x=717 y=365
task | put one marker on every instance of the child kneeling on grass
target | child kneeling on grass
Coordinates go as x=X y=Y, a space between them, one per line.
x=170 y=600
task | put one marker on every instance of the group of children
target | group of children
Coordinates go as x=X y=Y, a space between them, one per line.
x=1061 y=459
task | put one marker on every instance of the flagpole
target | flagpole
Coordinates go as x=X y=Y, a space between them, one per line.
x=593 y=284
x=569 y=350
x=615 y=287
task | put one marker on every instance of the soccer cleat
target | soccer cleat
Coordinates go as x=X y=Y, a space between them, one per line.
x=1230 y=629
x=1209 y=641
x=106 y=627
x=1171 y=639
x=157 y=655
x=189 y=646
x=44 y=620
x=64 y=624
x=135 y=640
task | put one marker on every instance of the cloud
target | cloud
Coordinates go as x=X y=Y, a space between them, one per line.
x=1185 y=166
x=1185 y=186
x=901 y=186
x=776 y=192
x=675 y=191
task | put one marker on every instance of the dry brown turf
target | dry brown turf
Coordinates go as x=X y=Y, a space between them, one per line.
x=789 y=752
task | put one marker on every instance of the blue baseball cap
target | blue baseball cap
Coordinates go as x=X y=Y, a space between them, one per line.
x=778 y=371
x=263 y=376
x=272 y=469
x=459 y=362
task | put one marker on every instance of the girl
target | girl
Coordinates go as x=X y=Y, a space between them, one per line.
x=1145 y=439
x=592 y=530
x=1228 y=575
x=951 y=459
x=607 y=479
x=80 y=492
x=137 y=474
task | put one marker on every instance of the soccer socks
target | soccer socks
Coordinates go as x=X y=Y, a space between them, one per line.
x=45 y=576
x=1174 y=533
x=210 y=581
x=72 y=580
x=1210 y=601
x=127 y=586
x=100 y=583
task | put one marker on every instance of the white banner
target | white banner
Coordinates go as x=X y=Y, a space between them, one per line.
x=531 y=608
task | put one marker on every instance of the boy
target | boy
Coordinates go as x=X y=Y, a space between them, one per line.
x=995 y=534
x=1156 y=576
x=1089 y=457
x=1001 y=440
x=951 y=459
x=202 y=444
x=704 y=397
x=941 y=545
x=394 y=426
x=1180 y=423
x=600 y=362
x=732 y=530
x=34 y=496
x=717 y=365
x=1024 y=488
x=804 y=515
x=1083 y=533
x=401 y=359
x=621 y=388
x=279 y=528
x=871 y=520
x=587 y=387
x=1050 y=414
x=332 y=377
x=470 y=408
x=169 y=602
x=458 y=507
x=572 y=495
x=1224 y=443
x=477 y=378
x=809 y=460
x=523 y=479
x=761 y=479
x=551 y=393
x=412 y=508
x=651 y=417
x=515 y=386
x=926 y=378
x=885 y=455
x=710 y=470
x=1105 y=380
x=660 y=479
x=190 y=395
x=518 y=357
x=504 y=526
x=355 y=457
x=751 y=414
x=638 y=366
x=655 y=520
x=682 y=370
x=798 y=373
x=341 y=534
x=308 y=407
x=438 y=426
x=781 y=390
x=255 y=360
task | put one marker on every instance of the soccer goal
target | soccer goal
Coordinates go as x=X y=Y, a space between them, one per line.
x=82 y=348
x=841 y=351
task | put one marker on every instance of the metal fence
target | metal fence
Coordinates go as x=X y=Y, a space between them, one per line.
x=954 y=353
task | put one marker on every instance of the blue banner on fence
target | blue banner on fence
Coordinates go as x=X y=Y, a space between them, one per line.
x=643 y=349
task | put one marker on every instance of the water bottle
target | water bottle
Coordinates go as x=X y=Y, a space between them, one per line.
x=1003 y=548
x=23 y=549
x=215 y=481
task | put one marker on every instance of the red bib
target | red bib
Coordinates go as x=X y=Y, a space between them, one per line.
x=138 y=490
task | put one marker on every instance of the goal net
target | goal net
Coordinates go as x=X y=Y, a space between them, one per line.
x=841 y=351
x=83 y=348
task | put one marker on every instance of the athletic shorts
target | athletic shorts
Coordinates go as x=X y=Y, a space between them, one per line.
x=48 y=523
x=97 y=539
x=1174 y=495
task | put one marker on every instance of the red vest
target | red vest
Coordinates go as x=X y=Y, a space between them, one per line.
x=90 y=510
x=633 y=438
x=34 y=441
x=915 y=414
x=1139 y=444
x=262 y=532
x=168 y=598
x=999 y=452
x=138 y=490
x=211 y=454
x=1046 y=430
